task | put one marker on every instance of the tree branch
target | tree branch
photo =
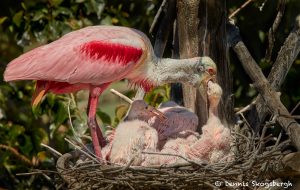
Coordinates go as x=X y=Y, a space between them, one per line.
x=269 y=95
x=286 y=56
x=239 y=9
x=273 y=29
x=287 y=166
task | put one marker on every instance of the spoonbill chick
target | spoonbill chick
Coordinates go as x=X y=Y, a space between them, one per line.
x=215 y=139
x=130 y=139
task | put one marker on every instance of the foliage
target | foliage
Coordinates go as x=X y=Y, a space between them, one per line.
x=27 y=24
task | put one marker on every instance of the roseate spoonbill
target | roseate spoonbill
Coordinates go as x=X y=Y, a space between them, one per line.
x=169 y=119
x=215 y=140
x=130 y=139
x=93 y=57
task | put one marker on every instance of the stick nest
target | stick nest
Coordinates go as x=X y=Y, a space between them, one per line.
x=254 y=159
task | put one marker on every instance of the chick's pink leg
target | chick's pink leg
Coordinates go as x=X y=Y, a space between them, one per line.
x=97 y=136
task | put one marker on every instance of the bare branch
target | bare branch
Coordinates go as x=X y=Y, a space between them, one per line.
x=128 y=100
x=273 y=30
x=163 y=4
x=295 y=108
x=269 y=96
x=16 y=153
x=286 y=56
x=52 y=150
x=239 y=9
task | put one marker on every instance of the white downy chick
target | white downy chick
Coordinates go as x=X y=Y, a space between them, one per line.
x=130 y=139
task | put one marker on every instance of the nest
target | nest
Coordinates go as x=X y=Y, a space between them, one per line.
x=253 y=160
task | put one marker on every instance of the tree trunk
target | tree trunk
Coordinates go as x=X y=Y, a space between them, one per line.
x=202 y=32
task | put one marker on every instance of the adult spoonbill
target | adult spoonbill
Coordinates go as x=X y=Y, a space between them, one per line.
x=93 y=57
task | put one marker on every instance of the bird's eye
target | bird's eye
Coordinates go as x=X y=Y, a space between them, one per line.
x=200 y=68
x=146 y=107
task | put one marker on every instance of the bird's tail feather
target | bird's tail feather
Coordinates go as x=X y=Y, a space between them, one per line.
x=41 y=88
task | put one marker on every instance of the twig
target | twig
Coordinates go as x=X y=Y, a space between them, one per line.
x=245 y=120
x=157 y=16
x=128 y=100
x=16 y=153
x=71 y=123
x=273 y=29
x=77 y=137
x=295 y=108
x=278 y=140
x=52 y=150
x=176 y=155
x=290 y=116
x=239 y=9
x=28 y=173
x=85 y=153
x=286 y=56
x=270 y=96
x=246 y=108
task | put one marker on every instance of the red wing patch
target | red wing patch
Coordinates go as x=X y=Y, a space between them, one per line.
x=111 y=52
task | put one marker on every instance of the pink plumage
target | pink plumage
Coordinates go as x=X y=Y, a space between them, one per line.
x=130 y=139
x=176 y=119
x=93 y=57
x=96 y=57
x=215 y=140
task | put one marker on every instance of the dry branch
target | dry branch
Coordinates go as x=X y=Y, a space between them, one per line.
x=17 y=154
x=273 y=30
x=286 y=56
x=239 y=9
x=269 y=95
x=287 y=167
x=125 y=98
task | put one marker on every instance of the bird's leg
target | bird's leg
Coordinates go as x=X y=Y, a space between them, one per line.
x=97 y=136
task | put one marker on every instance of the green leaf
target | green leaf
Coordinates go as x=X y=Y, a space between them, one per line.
x=26 y=146
x=62 y=11
x=3 y=19
x=106 y=21
x=98 y=7
x=38 y=16
x=121 y=111
x=105 y=118
x=61 y=114
x=23 y=5
x=17 y=19
x=15 y=131
x=56 y=3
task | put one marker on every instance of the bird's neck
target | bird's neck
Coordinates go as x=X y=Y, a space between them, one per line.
x=213 y=111
x=213 y=107
x=163 y=71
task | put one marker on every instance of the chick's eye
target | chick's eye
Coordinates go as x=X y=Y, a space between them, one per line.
x=200 y=68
